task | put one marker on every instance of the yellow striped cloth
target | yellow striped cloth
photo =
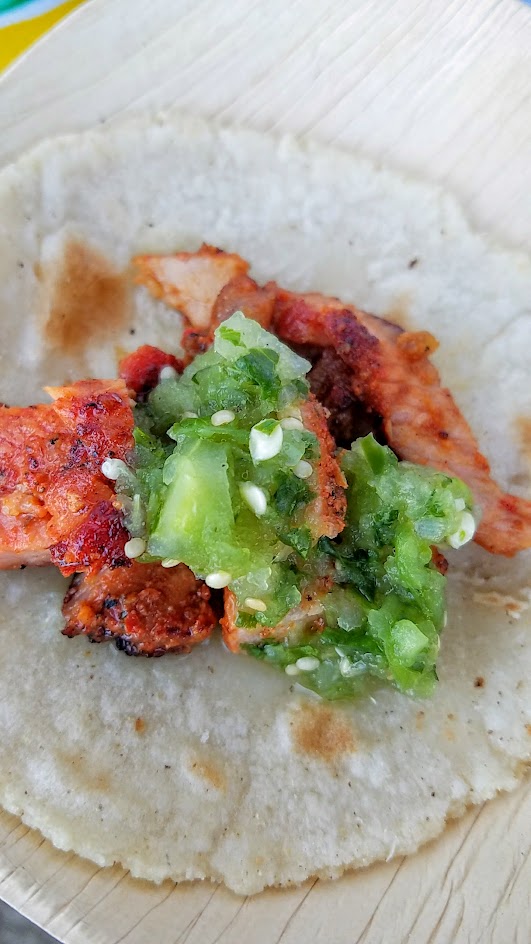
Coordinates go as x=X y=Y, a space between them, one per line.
x=22 y=22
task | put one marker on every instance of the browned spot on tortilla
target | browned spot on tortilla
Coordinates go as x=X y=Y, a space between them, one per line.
x=419 y=720
x=140 y=725
x=89 y=300
x=528 y=729
x=449 y=733
x=83 y=771
x=209 y=772
x=322 y=732
x=479 y=681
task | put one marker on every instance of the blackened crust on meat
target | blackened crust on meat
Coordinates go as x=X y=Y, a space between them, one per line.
x=331 y=383
x=146 y=609
x=101 y=537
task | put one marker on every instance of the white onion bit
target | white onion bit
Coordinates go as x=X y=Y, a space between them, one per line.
x=169 y=562
x=218 y=579
x=168 y=373
x=188 y=415
x=255 y=497
x=134 y=548
x=113 y=468
x=264 y=446
x=222 y=417
x=307 y=663
x=303 y=469
x=465 y=531
x=291 y=422
x=252 y=603
x=291 y=669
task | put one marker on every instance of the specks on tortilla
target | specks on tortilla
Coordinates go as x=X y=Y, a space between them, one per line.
x=322 y=732
x=140 y=725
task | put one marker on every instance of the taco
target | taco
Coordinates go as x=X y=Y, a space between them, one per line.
x=211 y=765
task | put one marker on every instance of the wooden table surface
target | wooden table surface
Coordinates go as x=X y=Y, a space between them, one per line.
x=440 y=89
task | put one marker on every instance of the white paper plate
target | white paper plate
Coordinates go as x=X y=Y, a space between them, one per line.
x=441 y=89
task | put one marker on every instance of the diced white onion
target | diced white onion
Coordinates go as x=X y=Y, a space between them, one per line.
x=218 y=579
x=168 y=373
x=291 y=422
x=134 y=548
x=169 y=562
x=345 y=666
x=264 y=446
x=188 y=415
x=222 y=417
x=113 y=468
x=303 y=469
x=465 y=531
x=255 y=497
x=460 y=504
x=252 y=603
x=307 y=663
x=291 y=669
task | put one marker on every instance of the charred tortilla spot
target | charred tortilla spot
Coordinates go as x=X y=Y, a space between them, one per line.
x=81 y=768
x=322 y=733
x=209 y=772
x=88 y=299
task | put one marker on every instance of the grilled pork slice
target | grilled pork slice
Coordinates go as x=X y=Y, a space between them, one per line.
x=391 y=374
x=325 y=515
x=141 y=369
x=190 y=281
x=240 y=294
x=331 y=382
x=56 y=506
x=207 y=286
x=147 y=610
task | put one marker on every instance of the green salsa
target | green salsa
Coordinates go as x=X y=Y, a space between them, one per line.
x=223 y=479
